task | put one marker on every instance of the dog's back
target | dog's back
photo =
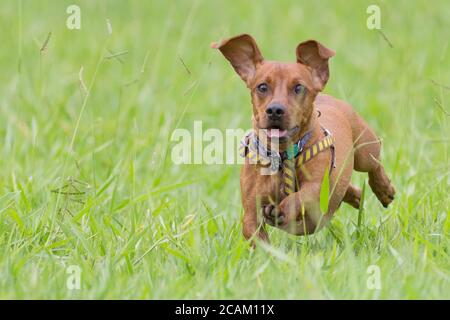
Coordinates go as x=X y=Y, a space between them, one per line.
x=364 y=150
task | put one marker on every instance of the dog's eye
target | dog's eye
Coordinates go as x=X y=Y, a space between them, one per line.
x=262 y=88
x=298 y=89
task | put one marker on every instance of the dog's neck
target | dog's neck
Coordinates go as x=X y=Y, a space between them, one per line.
x=312 y=127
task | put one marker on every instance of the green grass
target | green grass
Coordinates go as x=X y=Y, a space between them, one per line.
x=142 y=227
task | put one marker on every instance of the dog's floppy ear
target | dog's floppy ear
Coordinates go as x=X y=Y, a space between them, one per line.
x=313 y=54
x=243 y=54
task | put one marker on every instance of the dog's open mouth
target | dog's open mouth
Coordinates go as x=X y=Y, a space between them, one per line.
x=276 y=132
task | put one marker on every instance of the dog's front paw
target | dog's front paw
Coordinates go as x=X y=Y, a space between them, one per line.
x=289 y=209
x=282 y=214
x=272 y=215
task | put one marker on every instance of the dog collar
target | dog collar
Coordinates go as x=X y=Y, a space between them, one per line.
x=255 y=150
x=287 y=161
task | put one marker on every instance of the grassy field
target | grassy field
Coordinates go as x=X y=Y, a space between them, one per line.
x=86 y=177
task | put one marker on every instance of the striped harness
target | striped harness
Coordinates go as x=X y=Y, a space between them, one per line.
x=288 y=161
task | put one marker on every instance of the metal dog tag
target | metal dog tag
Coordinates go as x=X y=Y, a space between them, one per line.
x=275 y=162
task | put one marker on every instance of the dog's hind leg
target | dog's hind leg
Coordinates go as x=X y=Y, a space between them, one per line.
x=352 y=196
x=367 y=159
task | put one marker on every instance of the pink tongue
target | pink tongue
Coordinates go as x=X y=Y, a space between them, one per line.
x=275 y=133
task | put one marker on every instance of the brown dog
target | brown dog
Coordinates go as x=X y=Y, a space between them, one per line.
x=314 y=133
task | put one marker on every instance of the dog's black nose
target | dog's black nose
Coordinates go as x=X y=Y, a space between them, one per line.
x=275 y=111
